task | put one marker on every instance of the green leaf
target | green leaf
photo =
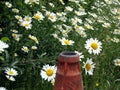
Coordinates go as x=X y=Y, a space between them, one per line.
x=14 y=63
x=2 y=58
x=5 y=39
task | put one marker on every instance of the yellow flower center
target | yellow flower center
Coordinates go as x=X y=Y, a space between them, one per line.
x=37 y=17
x=52 y=17
x=94 y=45
x=118 y=10
x=49 y=72
x=25 y=49
x=89 y=26
x=88 y=66
x=11 y=72
x=67 y=42
x=97 y=84
x=18 y=18
x=27 y=19
x=118 y=62
x=77 y=27
x=14 y=35
x=26 y=25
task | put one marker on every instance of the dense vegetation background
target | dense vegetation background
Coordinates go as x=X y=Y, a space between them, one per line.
x=76 y=21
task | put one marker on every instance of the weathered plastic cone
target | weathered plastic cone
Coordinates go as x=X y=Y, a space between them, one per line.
x=68 y=75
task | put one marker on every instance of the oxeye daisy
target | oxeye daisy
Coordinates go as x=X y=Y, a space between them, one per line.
x=26 y=24
x=68 y=8
x=52 y=17
x=11 y=72
x=34 y=47
x=38 y=16
x=48 y=72
x=8 y=4
x=117 y=62
x=25 y=49
x=27 y=19
x=34 y=38
x=15 y=10
x=3 y=46
x=66 y=41
x=89 y=65
x=93 y=46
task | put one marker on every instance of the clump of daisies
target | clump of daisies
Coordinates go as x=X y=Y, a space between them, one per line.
x=48 y=72
x=11 y=73
x=93 y=46
x=3 y=46
x=25 y=22
x=89 y=66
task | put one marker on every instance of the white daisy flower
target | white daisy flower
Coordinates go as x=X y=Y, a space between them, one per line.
x=62 y=2
x=34 y=47
x=54 y=35
x=3 y=88
x=27 y=19
x=59 y=14
x=34 y=38
x=89 y=65
x=79 y=13
x=31 y=1
x=47 y=13
x=93 y=46
x=108 y=1
x=51 y=4
x=66 y=41
x=14 y=31
x=3 y=46
x=38 y=16
x=116 y=31
x=16 y=36
x=19 y=18
x=36 y=1
x=106 y=25
x=11 y=71
x=48 y=72
x=88 y=26
x=117 y=62
x=15 y=10
x=116 y=40
x=27 y=25
x=93 y=15
x=68 y=8
x=11 y=78
x=9 y=5
x=79 y=29
x=83 y=34
x=25 y=49
x=52 y=17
